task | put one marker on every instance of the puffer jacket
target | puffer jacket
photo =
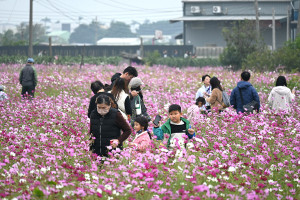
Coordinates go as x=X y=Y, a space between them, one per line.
x=249 y=94
x=107 y=127
x=142 y=141
x=280 y=98
x=28 y=76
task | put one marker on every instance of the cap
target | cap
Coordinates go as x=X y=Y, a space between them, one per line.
x=30 y=60
x=135 y=82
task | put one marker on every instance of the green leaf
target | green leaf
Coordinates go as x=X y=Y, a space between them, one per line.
x=38 y=193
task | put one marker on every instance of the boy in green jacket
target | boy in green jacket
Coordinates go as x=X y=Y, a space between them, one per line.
x=176 y=127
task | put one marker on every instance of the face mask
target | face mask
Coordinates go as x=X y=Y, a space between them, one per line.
x=102 y=111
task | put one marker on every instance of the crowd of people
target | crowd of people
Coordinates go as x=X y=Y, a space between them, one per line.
x=116 y=106
x=124 y=96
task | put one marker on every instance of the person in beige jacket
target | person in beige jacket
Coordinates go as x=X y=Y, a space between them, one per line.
x=281 y=96
x=215 y=99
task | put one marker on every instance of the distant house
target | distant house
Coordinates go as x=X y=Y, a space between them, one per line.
x=59 y=37
x=203 y=20
x=119 y=41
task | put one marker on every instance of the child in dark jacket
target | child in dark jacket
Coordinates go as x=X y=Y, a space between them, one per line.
x=176 y=127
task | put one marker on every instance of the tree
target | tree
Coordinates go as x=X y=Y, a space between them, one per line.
x=166 y=27
x=7 y=38
x=119 y=29
x=241 y=40
x=22 y=35
x=87 y=33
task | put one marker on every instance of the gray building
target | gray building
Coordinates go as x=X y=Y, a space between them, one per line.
x=203 y=21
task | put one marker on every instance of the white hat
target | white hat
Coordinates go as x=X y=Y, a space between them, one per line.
x=135 y=82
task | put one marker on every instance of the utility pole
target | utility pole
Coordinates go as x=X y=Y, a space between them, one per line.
x=141 y=48
x=257 y=19
x=298 y=24
x=30 y=29
x=273 y=30
x=288 y=23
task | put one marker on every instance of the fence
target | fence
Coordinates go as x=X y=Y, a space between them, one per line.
x=97 y=51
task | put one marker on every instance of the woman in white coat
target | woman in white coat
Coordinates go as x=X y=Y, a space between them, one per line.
x=120 y=92
x=281 y=96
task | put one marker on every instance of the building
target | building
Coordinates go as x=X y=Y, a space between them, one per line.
x=59 y=37
x=203 y=20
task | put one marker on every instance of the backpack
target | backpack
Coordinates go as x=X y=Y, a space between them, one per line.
x=226 y=99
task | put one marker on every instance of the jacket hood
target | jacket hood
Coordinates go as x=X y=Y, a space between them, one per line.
x=243 y=84
x=282 y=90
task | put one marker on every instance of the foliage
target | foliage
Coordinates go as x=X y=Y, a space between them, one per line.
x=87 y=33
x=260 y=61
x=118 y=29
x=241 y=41
x=45 y=143
x=286 y=58
x=62 y=60
x=9 y=38
x=151 y=58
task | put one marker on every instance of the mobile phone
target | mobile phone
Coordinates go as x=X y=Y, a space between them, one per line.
x=157 y=120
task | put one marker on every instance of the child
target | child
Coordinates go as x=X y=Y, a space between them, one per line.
x=142 y=139
x=176 y=127
x=3 y=95
x=193 y=112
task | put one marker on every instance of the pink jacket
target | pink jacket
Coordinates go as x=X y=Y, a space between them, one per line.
x=142 y=141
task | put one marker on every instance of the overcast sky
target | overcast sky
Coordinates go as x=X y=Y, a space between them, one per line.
x=69 y=11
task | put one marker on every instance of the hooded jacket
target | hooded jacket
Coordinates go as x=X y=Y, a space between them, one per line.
x=249 y=94
x=280 y=98
x=28 y=76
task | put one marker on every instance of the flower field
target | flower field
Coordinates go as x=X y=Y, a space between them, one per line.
x=44 y=143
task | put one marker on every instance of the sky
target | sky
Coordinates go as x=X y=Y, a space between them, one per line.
x=68 y=11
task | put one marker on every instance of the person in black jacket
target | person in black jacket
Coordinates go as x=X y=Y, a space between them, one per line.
x=105 y=127
x=98 y=88
x=28 y=79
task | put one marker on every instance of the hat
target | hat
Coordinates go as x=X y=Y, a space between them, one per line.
x=30 y=60
x=1 y=88
x=135 y=82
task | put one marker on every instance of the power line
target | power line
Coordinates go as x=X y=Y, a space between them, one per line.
x=60 y=10
x=12 y=11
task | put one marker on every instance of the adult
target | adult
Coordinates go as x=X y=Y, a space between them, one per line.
x=205 y=90
x=137 y=102
x=215 y=99
x=128 y=73
x=281 y=96
x=98 y=89
x=106 y=125
x=28 y=79
x=245 y=89
x=120 y=93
